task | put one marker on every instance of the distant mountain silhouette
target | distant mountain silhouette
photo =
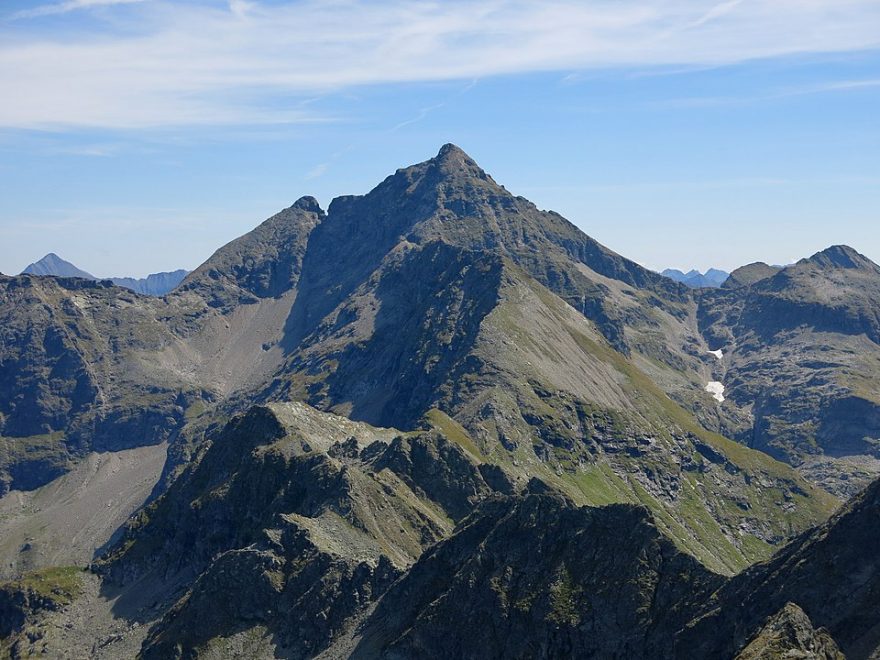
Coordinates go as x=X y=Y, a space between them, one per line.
x=52 y=264
x=156 y=284
x=695 y=279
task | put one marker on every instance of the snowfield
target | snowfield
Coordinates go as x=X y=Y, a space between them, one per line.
x=716 y=389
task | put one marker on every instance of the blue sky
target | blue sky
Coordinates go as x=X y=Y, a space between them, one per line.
x=140 y=136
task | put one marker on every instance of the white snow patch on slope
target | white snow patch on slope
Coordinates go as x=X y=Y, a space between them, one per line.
x=719 y=353
x=716 y=389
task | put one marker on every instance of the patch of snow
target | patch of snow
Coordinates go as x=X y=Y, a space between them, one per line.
x=716 y=389
x=719 y=353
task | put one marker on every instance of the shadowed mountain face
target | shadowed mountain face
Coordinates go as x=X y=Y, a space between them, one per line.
x=86 y=366
x=74 y=377
x=832 y=573
x=304 y=518
x=328 y=535
x=532 y=577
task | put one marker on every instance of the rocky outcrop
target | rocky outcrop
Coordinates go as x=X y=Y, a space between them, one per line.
x=306 y=594
x=832 y=573
x=534 y=577
x=266 y=262
x=305 y=517
x=789 y=634
x=24 y=600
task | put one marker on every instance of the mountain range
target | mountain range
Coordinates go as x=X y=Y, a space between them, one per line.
x=156 y=284
x=437 y=421
x=695 y=279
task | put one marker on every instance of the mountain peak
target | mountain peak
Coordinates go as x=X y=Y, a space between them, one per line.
x=453 y=159
x=749 y=274
x=450 y=150
x=841 y=256
x=52 y=264
x=307 y=203
x=265 y=262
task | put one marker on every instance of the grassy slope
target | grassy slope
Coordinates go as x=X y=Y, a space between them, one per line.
x=712 y=520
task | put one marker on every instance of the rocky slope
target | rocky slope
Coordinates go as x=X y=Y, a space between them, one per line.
x=533 y=386
x=65 y=522
x=801 y=356
x=450 y=199
x=86 y=366
x=264 y=263
x=306 y=517
x=535 y=577
x=75 y=375
x=526 y=574
x=25 y=601
x=832 y=573
x=531 y=576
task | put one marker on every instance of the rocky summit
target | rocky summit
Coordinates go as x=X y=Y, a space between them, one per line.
x=437 y=421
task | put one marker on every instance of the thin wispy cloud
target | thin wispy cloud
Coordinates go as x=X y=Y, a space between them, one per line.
x=66 y=7
x=777 y=95
x=91 y=150
x=318 y=170
x=844 y=85
x=160 y=63
x=716 y=12
x=424 y=112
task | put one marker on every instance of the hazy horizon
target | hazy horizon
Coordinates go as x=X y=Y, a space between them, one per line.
x=657 y=268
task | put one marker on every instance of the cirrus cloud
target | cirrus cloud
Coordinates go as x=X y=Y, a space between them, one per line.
x=158 y=63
